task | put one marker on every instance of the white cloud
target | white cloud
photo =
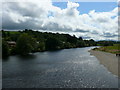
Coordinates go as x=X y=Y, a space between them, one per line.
x=46 y=17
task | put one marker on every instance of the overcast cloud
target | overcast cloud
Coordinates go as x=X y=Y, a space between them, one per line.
x=44 y=16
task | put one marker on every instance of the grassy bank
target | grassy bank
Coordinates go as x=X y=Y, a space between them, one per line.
x=111 y=49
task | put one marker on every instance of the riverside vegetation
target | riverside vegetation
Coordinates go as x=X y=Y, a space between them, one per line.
x=115 y=49
x=29 y=41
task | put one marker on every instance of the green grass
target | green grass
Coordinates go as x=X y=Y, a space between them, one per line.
x=115 y=46
x=13 y=32
x=111 y=49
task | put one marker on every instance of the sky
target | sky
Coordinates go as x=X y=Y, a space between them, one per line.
x=85 y=7
x=90 y=20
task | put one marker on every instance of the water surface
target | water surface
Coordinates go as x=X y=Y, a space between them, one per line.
x=68 y=68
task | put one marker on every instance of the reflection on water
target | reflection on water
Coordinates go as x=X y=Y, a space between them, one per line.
x=68 y=68
x=5 y=59
x=27 y=57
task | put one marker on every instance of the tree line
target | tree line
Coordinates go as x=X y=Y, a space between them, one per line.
x=29 y=41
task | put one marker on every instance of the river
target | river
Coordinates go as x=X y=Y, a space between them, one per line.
x=67 y=68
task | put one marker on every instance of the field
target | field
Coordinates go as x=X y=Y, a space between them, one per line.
x=111 y=49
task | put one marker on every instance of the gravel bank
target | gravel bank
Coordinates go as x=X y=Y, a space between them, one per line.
x=110 y=61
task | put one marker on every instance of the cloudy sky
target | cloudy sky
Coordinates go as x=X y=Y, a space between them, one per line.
x=96 y=20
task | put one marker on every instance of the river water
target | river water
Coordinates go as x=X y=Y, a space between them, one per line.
x=67 y=68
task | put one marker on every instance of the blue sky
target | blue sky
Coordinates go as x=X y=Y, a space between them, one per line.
x=85 y=7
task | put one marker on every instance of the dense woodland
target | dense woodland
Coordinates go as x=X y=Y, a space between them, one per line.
x=28 y=41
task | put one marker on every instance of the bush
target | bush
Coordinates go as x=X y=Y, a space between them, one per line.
x=25 y=44
x=5 y=49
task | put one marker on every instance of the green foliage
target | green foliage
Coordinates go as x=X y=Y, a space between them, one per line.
x=25 y=44
x=67 y=45
x=106 y=43
x=111 y=49
x=41 y=46
x=33 y=41
x=52 y=44
x=5 y=49
x=13 y=51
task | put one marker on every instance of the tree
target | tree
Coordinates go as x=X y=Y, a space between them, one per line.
x=67 y=45
x=80 y=38
x=3 y=33
x=81 y=43
x=25 y=44
x=52 y=44
x=41 y=46
x=5 y=49
x=92 y=42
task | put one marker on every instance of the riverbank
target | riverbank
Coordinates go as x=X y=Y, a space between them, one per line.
x=109 y=60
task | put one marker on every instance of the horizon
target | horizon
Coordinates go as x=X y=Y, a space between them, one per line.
x=59 y=33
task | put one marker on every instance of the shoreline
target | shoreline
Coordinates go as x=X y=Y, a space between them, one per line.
x=41 y=51
x=109 y=60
